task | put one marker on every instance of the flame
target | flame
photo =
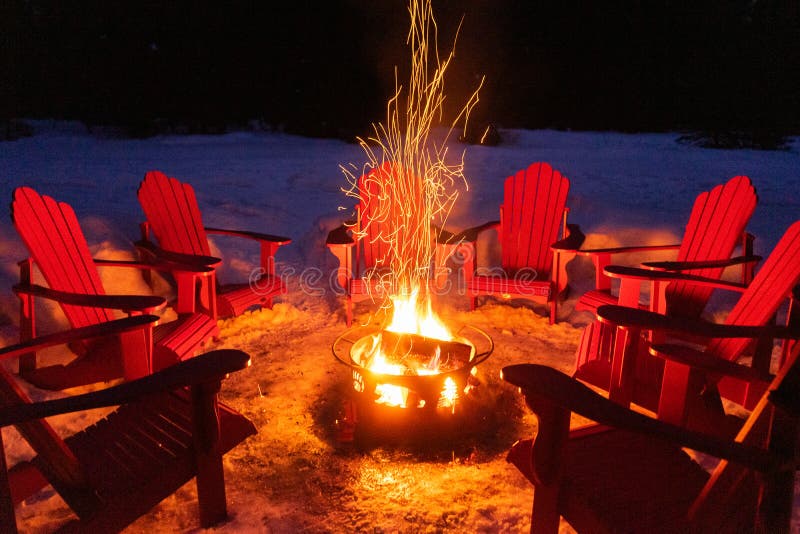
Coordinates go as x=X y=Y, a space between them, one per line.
x=388 y=393
x=449 y=394
x=410 y=316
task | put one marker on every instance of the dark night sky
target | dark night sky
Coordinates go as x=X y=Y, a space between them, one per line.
x=326 y=68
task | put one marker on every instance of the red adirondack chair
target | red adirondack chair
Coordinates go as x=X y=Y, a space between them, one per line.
x=173 y=217
x=362 y=247
x=58 y=248
x=168 y=428
x=715 y=227
x=636 y=376
x=532 y=225
x=631 y=473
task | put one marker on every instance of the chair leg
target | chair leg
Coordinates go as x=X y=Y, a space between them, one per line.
x=27 y=318
x=211 y=490
x=544 y=516
x=8 y=521
x=210 y=476
x=349 y=310
x=553 y=310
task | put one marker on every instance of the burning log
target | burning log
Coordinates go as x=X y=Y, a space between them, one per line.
x=421 y=355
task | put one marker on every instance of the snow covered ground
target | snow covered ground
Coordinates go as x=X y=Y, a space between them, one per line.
x=293 y=476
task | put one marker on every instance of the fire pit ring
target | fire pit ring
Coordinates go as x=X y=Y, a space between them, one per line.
x=427 y=387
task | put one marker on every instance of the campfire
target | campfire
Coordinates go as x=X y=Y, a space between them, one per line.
x=412 y=357
x=412 y=370
x=407 y=386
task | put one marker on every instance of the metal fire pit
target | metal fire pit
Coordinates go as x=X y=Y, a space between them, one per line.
x=479 y=346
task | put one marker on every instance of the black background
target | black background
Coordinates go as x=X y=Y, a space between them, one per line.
x=327 y=68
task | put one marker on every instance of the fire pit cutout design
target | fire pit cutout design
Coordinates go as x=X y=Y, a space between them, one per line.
x=410 y=370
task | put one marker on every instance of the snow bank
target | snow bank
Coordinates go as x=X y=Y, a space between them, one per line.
x=293 y=476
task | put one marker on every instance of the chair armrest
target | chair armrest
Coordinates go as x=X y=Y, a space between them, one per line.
x=176 y=261
x=646 y=320
x=625 y=250
x=702 y=361
x=545 y=382
x=445 y=237
x=636 y=273
x=340 y=237
x=117 y=326
x=340 y=243
x=198 y=370
x=572 y=242
x=274 y=239
x=471 y=234
x=125 y=303
x=710 y=264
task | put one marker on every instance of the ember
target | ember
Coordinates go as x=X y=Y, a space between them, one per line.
x=409 y=193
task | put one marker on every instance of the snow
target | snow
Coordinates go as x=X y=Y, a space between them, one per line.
x=294 y=476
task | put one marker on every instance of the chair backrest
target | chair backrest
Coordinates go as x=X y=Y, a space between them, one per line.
x=173 y=214
x=374 y=222
x=716 y=225
x=388 y=226
x=531 y=216
x=773 y=283
x=57 y=245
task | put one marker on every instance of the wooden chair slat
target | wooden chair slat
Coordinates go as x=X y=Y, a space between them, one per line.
x=155 y=194
x=375 y=247
x=554 y=222
x=542 y=214
x=139 y=444
x=164 y=433
x=532 y=189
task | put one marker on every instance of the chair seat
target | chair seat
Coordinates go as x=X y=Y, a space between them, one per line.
x=173 y=341
x=591 y=300
x=516 y=287
x=644 y=393
x=143 y=450
x=181 y=338
x=617 y=481
x=233 y=299
x=593 y=365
